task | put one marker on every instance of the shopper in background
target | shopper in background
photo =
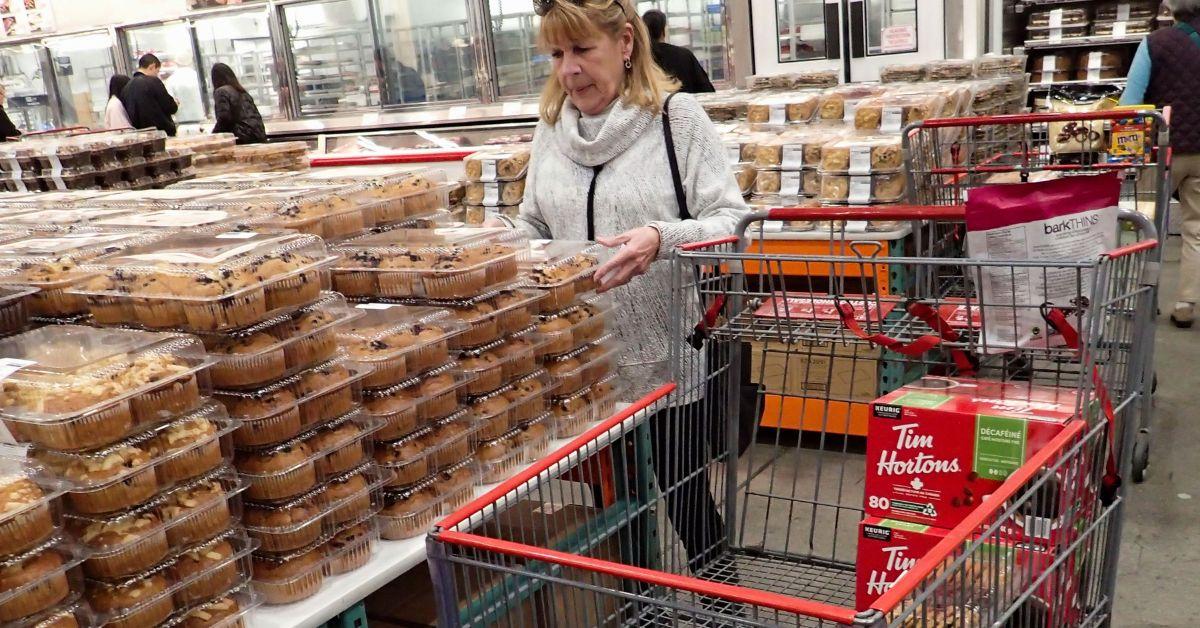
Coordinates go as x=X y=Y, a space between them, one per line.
x=234 y=108
x=677 y=61
x=8 y=130
x=147 y=102
x=114 y=112
x=1164 y=73
x=600 y=171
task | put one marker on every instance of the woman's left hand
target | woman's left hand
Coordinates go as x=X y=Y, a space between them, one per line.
x=638 y=249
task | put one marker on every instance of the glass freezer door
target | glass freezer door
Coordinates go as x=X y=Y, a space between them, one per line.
x=699 y=26
x=427 y=49
x=334 y=56
x=82 y=65
x=172 y=43
x=243 y=42
x=24 y=68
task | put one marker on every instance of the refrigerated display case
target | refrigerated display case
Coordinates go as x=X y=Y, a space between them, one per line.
x=332 y=48
x=82 y=64
x=25 y=68
x=428 y=51
x=243 y=42
x=699 y=26
x=440 y=139
x=173 y=44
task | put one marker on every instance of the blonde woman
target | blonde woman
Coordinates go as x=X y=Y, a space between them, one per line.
x=602 y=170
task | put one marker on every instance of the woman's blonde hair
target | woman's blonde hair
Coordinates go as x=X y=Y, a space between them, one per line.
x=645 y=84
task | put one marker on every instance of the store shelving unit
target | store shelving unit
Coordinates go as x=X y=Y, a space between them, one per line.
x=251 y=58
x=334 y=69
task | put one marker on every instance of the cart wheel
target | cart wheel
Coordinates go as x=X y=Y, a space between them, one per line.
x=1141 y=456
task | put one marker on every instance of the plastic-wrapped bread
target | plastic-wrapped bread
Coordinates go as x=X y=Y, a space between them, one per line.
x=902 y=73
x=794 y=149
x=1057 y=17
x=1052 y=34
x=892 y=113
x=1126 y=10
x=783 y=108
x=950 y=69
x=838 y=103
x=502 y=164
x=999 y=65
x=746 y=174
x=863 y=155
x=862 y=189
x=1117 y=30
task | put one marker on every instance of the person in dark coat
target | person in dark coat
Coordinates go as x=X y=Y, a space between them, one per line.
x=678 y=62
x=8 y=130
x=234 y=108
x=147 y=102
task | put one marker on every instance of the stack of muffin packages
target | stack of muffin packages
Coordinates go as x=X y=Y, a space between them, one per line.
x=495 y=181
x=114 y=160
x=302 y=446
x=460 y=289
x=211 y=152
x=122 y=504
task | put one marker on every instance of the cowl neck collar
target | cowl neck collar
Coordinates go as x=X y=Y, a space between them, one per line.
x=623 y=126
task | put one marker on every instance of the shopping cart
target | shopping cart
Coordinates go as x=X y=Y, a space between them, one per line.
x=946 y=158
x=617 y=528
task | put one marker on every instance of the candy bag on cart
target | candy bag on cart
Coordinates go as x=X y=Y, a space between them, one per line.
x=1065 y=220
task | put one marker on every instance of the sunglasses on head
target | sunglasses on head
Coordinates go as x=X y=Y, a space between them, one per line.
x=542 y=7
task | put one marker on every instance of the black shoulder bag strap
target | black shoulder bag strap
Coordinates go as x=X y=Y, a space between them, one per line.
x=680 y=197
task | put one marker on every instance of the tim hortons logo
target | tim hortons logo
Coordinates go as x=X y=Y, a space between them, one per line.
x=908 y=440
x=897 y=563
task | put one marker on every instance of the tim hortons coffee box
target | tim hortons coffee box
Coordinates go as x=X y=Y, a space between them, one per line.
x=939 y=446
x=887 y=549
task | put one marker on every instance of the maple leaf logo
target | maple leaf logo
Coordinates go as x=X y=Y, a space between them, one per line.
x=917 y=484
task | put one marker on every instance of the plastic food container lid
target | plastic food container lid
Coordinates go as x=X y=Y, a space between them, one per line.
x=489 y=160
x=179 y=220
x=355 y=371
x=64 y=362
x=71 y=554
x=60 y=253
x=60 y=219
x=410 y=388
x=153 y=199
x=233 y=181
x=236 y=262
x=385 y=331
x=449 y=250
x=555 y=263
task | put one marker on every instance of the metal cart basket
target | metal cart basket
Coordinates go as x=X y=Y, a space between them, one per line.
x=659 y=516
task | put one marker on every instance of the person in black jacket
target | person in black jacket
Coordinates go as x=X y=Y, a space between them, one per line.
x=234 y=108
x=8 y=130
x=147 y=102
x=676 y=61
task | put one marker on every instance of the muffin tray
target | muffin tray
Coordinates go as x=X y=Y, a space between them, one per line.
x=564 y=268
x=456 y=484
x=14 y=309
x=399 y=341
x=793 y=150
x=56 y=566
x=428 y=449
x=534 y=436
x=326 y=212
x=317 y=510
x=146 y=533
x=491 y=314
x=168 y=587
x=409 y=512
x=33 y=506
x=444 y=263
x=497 y=458
x=801 y=182
x=572 y=414
x=228 y=610
x=495 y=193
x=493 y=364
x=345 y=442
x=583 y=366
x=73 y=388
x=234 y=181
x=323 y=561
x=72 y=608
x=317 y=394
x=415 y=403
x=207 y=282
x=144 y=470
x=278 y=347
x=386 y=194
x=580 y=322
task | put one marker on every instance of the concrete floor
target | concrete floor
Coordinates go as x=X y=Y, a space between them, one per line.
x=1159 y=577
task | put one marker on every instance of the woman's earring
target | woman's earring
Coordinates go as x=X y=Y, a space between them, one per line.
x=628 y=64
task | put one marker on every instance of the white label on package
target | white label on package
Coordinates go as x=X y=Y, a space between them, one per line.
x=856 y=226
x=8 y=366
x=1056 y=17
x=860 y=190
x=1122 y=12
x=489 y=169
x=1055 y=35
x=1048 y=62
x=375 y=306
x=793 y=156
x=56 y=172
x=860 y=159
x=1093 y=74
x=15 y=167
x=892 y=119
x=790 y=182
x=734 y=152
x=491 y=194
x=778 y=115
x=849 y=108
x=1095 y=59
x=235 y=235
x=1119 y=30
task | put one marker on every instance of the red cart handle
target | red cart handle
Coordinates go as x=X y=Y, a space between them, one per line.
x=881 y=212
x=1033 y=118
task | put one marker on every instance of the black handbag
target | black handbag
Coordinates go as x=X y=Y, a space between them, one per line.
x=747 y=391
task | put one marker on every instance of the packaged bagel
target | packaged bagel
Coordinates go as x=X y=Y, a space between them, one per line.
x=1058 y=17
x=902 y=73
x=497 y=164
x=863 y=155
x=1125 y=10
x=891 y=113
x=794 y=149
x=862 y=189
x=779 y=109
x=788 y=182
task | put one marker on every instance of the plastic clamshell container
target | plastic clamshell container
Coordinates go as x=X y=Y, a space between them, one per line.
x=500 y=163
x=563 y=268
x=500 y=313
x=327 y=212
x=297 y=403
x=278 y=347
x=14 y=309
x=304 y=520
x=51 y=263
x=495 y=410
x=60 y=558
x=456 y=484
x=407 y=459
x=534 y=437
x=32 y=506
x=583 y=366
x=950 y=69
x=794 y=107
x=234 y=181
x=788 y=182
x=578 y=323
x=863 y=189
x=74 y=387
x=132 y=471
x=154 y=199
x=387 y=195
x=863 y=155
x=446 y=263
x=399 y=341
x=1053 y=34
x=409 y=512
x=573 y=413
x=450 y=440
x=62 y=220
x=495 y=193
x=891 y=113
x=175 y=220
x=207 y=282
x=990 y=65
x=838 y=103
x=902 y=73
x=345 y=442
x=498 y=457
x=125 y=543
x=317 y=562
x=174 y=583
x=493 y=364
x=295 y=467
x=1118 y=29
x=72 y=609
x=418 y=401
x=229 y=610
x=793 y=150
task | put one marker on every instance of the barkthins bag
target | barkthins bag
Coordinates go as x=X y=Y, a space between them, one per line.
x=1066 y=220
